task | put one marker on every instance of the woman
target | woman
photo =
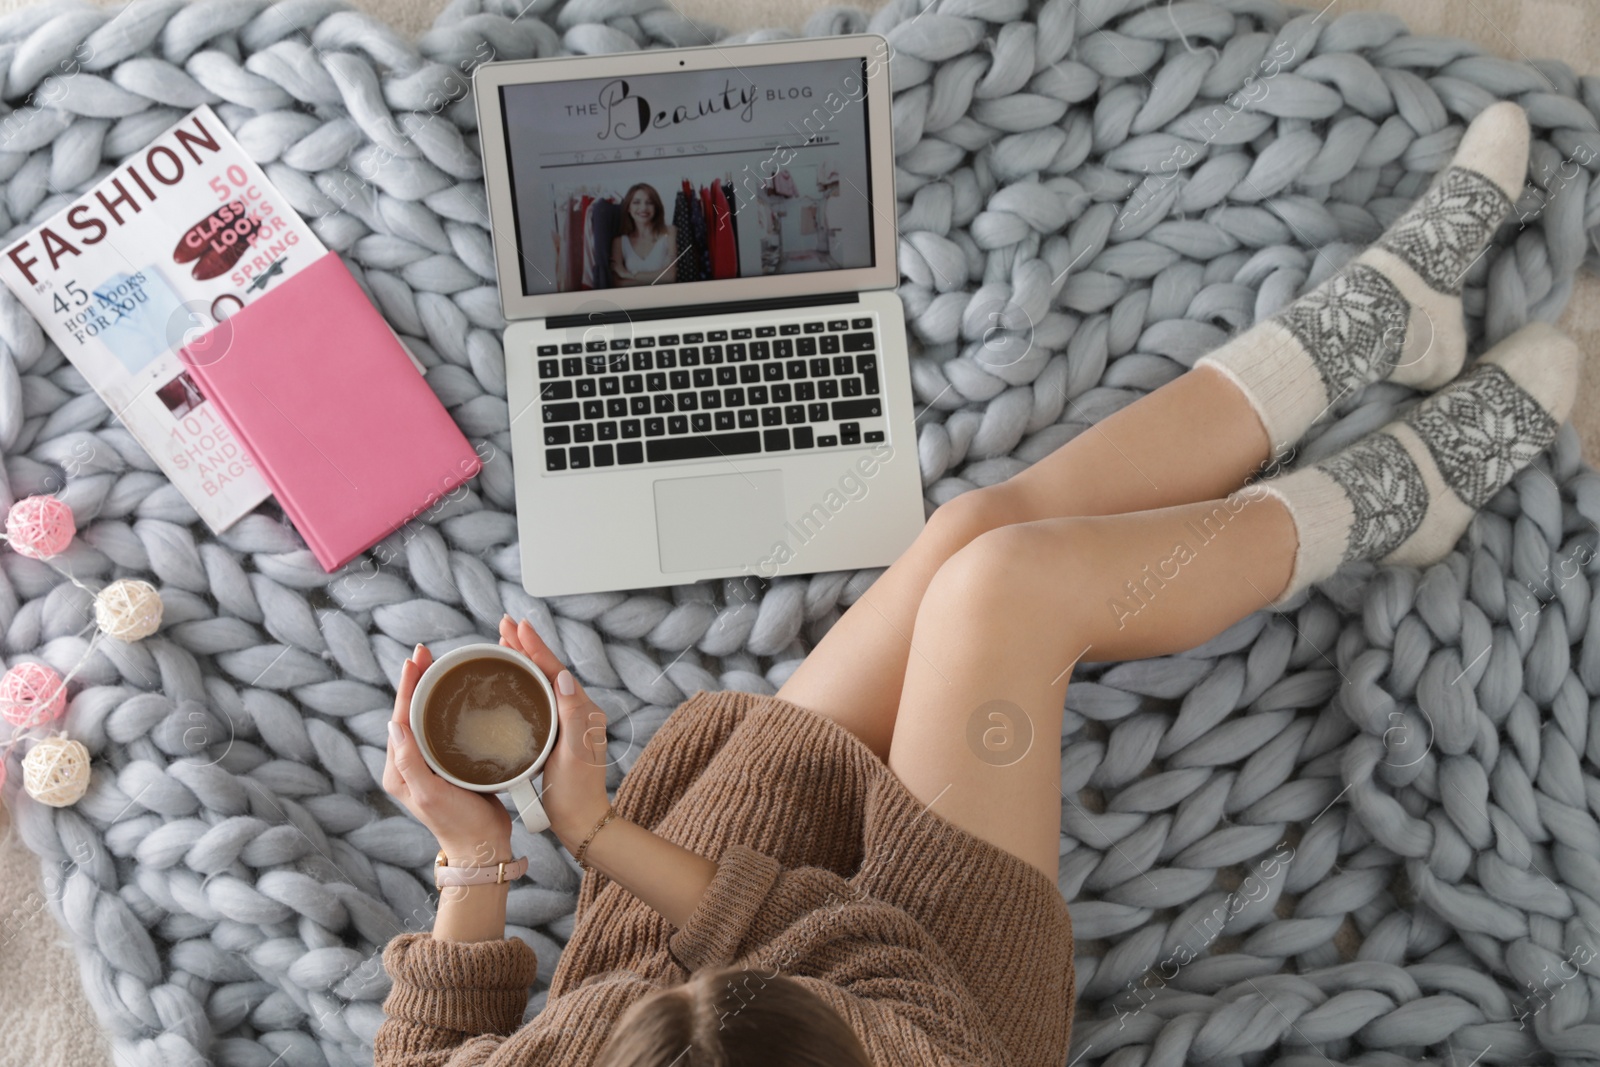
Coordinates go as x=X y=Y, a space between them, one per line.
x=862 y=868
x=646 y=251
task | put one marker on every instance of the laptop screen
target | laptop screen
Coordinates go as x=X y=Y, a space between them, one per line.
x=662 y=179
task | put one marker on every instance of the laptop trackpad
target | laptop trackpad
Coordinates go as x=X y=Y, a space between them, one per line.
x=718 y=520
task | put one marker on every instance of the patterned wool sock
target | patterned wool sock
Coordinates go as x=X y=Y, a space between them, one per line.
x=1405 y=493
x=1395 y=310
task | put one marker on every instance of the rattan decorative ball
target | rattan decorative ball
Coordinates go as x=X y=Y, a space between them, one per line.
x=31 y=694
x=128 y=609
x=56 y=771
x=40 y=526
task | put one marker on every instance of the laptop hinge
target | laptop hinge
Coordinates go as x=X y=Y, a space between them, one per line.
x=604 y=318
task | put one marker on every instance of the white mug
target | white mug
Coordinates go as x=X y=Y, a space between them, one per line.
x=520 y=787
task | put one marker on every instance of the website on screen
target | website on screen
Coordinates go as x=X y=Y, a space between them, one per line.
x=690 y=176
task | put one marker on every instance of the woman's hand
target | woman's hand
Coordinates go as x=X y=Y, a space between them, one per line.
x=666 y=876
x=574 y=794
x=473 y=829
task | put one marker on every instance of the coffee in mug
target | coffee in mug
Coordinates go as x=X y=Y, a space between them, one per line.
x=486 y=720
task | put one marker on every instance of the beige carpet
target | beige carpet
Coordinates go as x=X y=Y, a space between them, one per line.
x=48 y=1022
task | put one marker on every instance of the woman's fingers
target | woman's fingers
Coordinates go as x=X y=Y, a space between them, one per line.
x=537 y=650
x=410 y=671
x=396 y=764
x=393 y=780
x=508 y=634
x=523 y=637
x=414 y=770
x=582 y=720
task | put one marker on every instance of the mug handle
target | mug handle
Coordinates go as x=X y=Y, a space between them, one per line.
x=529 y=806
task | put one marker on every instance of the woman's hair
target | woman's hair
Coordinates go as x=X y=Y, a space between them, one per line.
x=733 y=1017
x=660 y=219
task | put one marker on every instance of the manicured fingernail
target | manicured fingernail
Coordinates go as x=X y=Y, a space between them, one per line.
x=565 y=683
x=417 y=652
x=394 y=732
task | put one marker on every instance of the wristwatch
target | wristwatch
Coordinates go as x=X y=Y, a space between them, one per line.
x=492 y=874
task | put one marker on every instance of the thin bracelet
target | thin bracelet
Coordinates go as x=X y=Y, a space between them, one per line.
x=611 y=813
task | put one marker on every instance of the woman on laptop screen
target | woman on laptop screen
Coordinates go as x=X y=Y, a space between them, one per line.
x=865 y=866
x=645 y=249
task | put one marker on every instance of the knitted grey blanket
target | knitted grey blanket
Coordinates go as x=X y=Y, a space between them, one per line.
x=1362 y=830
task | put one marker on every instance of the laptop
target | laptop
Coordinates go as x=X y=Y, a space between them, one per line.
x=706 y=363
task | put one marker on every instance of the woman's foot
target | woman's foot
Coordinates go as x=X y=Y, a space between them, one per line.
x=1405 y=494
x=1395 y=310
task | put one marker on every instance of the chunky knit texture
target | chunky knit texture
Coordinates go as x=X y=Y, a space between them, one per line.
x=934 y=945
x=1358 y=828
x=1393 y=312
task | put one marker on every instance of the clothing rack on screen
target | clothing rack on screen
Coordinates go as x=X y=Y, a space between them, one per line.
x=795 y=231
x=703 y=221
x=704 y=218
x=585 y=224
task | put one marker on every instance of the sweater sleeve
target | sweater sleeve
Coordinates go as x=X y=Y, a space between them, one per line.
x=712 y=934
x=453 y=1002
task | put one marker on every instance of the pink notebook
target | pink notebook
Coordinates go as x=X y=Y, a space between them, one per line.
x=347 y=433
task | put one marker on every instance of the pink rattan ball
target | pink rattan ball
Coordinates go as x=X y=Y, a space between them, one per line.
x=40 y=526
x=31 y=694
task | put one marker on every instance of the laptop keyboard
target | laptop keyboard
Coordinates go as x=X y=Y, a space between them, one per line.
x=786 y=387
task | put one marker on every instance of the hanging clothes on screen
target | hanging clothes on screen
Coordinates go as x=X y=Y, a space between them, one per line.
x=724 y=249
x=697 y=214
x=769 y=234
x=703 y=224
x=604 y=216
x=558 y=238
x=576 y=247
x=703 y=229
x=712 y=247
x=585 y=224
x=697 y=236
x=733 y=207
x=572 y=223
x=782 y=184
x=688 y=265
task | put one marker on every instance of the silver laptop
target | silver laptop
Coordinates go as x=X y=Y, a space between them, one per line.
x=706 y=363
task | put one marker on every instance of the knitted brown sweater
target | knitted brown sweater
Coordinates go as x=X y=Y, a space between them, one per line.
x=935 y=946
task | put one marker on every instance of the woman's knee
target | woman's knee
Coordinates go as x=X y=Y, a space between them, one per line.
x=989 y=572
x=1020 y=571
x=959 y=520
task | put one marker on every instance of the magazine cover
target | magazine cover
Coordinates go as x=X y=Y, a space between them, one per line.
x=178 y=237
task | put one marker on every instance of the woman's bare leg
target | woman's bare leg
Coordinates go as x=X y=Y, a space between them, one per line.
x=978 y=726
x=1195 y=438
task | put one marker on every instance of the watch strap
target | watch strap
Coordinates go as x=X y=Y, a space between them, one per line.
x=490 y=874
